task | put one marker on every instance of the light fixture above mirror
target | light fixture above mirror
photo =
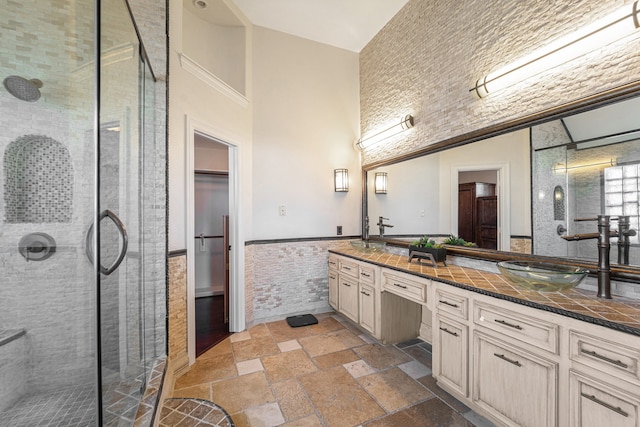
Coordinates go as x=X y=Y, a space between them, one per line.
x=405 y=123
x=609 y=29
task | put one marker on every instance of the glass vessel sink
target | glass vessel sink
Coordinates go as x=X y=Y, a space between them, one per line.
x=368 y=247
x=542 y=276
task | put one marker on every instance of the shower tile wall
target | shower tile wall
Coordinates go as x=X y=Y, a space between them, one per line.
x=53 y=44
x=54 y=300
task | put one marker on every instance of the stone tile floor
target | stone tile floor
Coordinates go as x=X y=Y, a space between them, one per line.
x=329 y=374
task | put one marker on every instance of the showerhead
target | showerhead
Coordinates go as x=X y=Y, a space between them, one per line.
x=21 y=88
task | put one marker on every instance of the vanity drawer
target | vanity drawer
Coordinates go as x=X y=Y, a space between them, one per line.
x=455 y=305
x=527 y=329
x=349 y=268
x=602 y=354
x=333 y=262
x=367 y=274
x=405 y=287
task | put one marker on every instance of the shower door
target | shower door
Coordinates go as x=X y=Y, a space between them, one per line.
x=120 y=215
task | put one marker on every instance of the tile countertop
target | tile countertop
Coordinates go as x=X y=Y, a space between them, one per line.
x=619 y=313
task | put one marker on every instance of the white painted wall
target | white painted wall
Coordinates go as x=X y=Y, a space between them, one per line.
x=192 y=99
x=306 y=117
x=511 y=148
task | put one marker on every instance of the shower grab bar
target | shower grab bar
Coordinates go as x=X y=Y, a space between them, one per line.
x=125 y=241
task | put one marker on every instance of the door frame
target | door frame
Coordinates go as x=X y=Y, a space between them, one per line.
x=236 y=254
x=503 y=192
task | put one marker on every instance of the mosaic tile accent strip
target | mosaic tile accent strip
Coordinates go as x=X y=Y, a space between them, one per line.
x=193 y=412
x=38 y=186
x=620 y=313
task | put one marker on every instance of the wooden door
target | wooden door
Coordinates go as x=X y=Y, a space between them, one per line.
x=466 y=211
x=487 y=222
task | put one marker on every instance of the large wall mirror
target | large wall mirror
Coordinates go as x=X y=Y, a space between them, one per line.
x=516 y=190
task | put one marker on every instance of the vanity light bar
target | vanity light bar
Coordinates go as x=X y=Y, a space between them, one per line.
x=405 y=123
x=613 y=27
x=559 y=168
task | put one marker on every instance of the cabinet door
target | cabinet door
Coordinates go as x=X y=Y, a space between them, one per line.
x=333 y=290
x=367 y=308
x=348 y=297
x=513 y=384
x=596 y=404
x=450 y=354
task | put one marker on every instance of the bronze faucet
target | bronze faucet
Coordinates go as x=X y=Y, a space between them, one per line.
x=604 y=235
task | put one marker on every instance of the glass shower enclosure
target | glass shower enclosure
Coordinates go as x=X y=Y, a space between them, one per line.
x=82 y=234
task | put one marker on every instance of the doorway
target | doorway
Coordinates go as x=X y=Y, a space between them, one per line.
x=478 y=208
x=211 y=242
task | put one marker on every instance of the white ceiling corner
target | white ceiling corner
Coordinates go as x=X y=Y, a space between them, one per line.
x=347 y=24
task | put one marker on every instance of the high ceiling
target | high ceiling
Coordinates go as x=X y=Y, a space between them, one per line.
x=348 y=24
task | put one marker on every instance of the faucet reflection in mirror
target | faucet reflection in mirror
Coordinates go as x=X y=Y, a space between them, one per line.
x=405 y=123
x=609 y=29
x=381 y=183
x=341 y=180
x=381 y=225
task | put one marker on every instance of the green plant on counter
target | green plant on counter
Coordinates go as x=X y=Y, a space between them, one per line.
x=457 y=241
x=425 y=242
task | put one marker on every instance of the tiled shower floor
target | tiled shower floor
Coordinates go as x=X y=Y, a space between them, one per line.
x=69 y=407
x=74 y=407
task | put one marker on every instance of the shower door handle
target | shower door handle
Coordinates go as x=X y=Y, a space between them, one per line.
x=125 y=241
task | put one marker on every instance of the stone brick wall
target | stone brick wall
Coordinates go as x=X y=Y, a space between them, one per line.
x=178 y=312
x=289 y=278
x=425 y=60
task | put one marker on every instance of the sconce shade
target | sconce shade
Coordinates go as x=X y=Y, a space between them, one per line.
x=405 y=123
x=558 y=203
x=381 y=183
x=341 y=180
x=607 y=30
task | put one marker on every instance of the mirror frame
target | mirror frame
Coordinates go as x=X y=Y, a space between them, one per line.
x=600 y=99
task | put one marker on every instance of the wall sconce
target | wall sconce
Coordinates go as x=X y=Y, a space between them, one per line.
x=561 y=168
x=613 y=27
x=405 y=123
x=558 y=203
x=341 y=180
x=381 y=183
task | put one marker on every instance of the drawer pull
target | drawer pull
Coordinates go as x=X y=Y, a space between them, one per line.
x=346 y=268
x=448 y=331
x=450 y=304
x=346 y=284
x=606 y=359
x=364 y=293
x=511 y=325
x=332 y=263
x=365 y=274
x=332 y=277
x=400 y=286
x=506 y=359
x=615 y=409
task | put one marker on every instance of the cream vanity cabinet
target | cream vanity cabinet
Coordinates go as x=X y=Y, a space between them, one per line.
x=451 y=340
x=604 y=378
x=522 y=366
x=355 y=290
x=515 y=366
